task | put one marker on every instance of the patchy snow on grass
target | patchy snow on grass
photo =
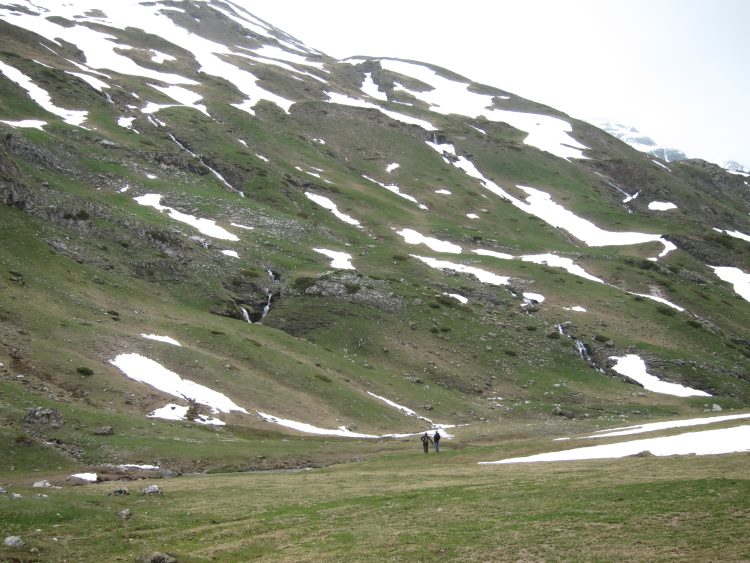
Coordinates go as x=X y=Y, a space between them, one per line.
x=391 y=167
x=634 y=367
x=242 y=226
x=371 y=89
x=183 y=96
x=95 y=83
x=739 y=279
x=556 y=261
x=539 y=204
x=411 y=236
x=458 y=297
x=472 y=216
x=341 y=99
x=179 y=412
x=167 y=339
x=396 y=190
x=339 y=260
x=482 y=275
x=310 y=429
x=41 y=97
x=654 y=426
x=326 y=203
x=230 y=253
x=443 y=191
x=661 y=206
x=126 y=122
x=576 y=308
x=206 y=226
x=735 y=234
x=707 y=442
x=550 y=134
x=145 y=370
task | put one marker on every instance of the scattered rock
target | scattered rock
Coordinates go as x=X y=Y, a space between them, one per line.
x=156 y=557
x=152 y=490
x=428 y=407
x=716 y=408
x=120 y=492
x=40 y=416
x=43 y=483
x=2 y=491
x=13 y=541
x=104 y=431
x=125 y=514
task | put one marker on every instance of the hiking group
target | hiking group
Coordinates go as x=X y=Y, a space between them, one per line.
x=426 y=440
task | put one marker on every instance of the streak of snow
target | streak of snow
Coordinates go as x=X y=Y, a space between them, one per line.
x=458 y=297
x=482 y=275
x=443 y=191
x=232 y=253
x=576 y=308
x=391 y=167
x=206 y=226
x=341 y=99
x=707 y=442
x=411 y=236
x=26 y=123
x=166 y=339
x=735 y=234
x=634 y=367
x=145 y=370
x=41 y=97
x=92 y=81
x=339 y=260
x=185 y=97
x=126 y=122
x=396 y=190
x=654 y=426
x=326 y=203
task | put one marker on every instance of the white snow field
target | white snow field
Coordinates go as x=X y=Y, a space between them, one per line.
x=206 y=226
x=634 y=367
x=706 y=442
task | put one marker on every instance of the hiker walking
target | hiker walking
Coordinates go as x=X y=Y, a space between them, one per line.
x=436 y=441
x=426 y=442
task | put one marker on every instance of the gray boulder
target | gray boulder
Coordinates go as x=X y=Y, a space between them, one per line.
x=13 y=541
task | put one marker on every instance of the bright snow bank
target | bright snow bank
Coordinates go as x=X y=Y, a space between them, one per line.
x=634 y=367
x=206 y=226
x=310 y=429
x=654 y=426
x=707 y=442
x=735 y=234
x=148 y=371
x=739 y=279
x=661 y=206
x=339 y=260
x=166 y=339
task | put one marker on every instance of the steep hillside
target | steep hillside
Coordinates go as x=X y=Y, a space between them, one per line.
x=205 y=220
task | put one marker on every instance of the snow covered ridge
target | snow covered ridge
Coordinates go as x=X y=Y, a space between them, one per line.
x=103 y=51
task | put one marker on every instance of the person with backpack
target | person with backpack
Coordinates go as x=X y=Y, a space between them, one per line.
x=426 y=442
x=436 y=441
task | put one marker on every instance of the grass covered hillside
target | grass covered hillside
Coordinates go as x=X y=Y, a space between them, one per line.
x=222 y=251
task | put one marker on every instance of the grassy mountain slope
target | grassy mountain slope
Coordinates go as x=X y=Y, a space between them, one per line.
x=87 y=269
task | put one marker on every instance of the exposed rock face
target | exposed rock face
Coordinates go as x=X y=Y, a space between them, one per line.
x=40 y=416
x=355 y=289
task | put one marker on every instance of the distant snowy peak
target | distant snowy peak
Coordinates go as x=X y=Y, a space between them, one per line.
x=644 y=143
x=641 y=142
